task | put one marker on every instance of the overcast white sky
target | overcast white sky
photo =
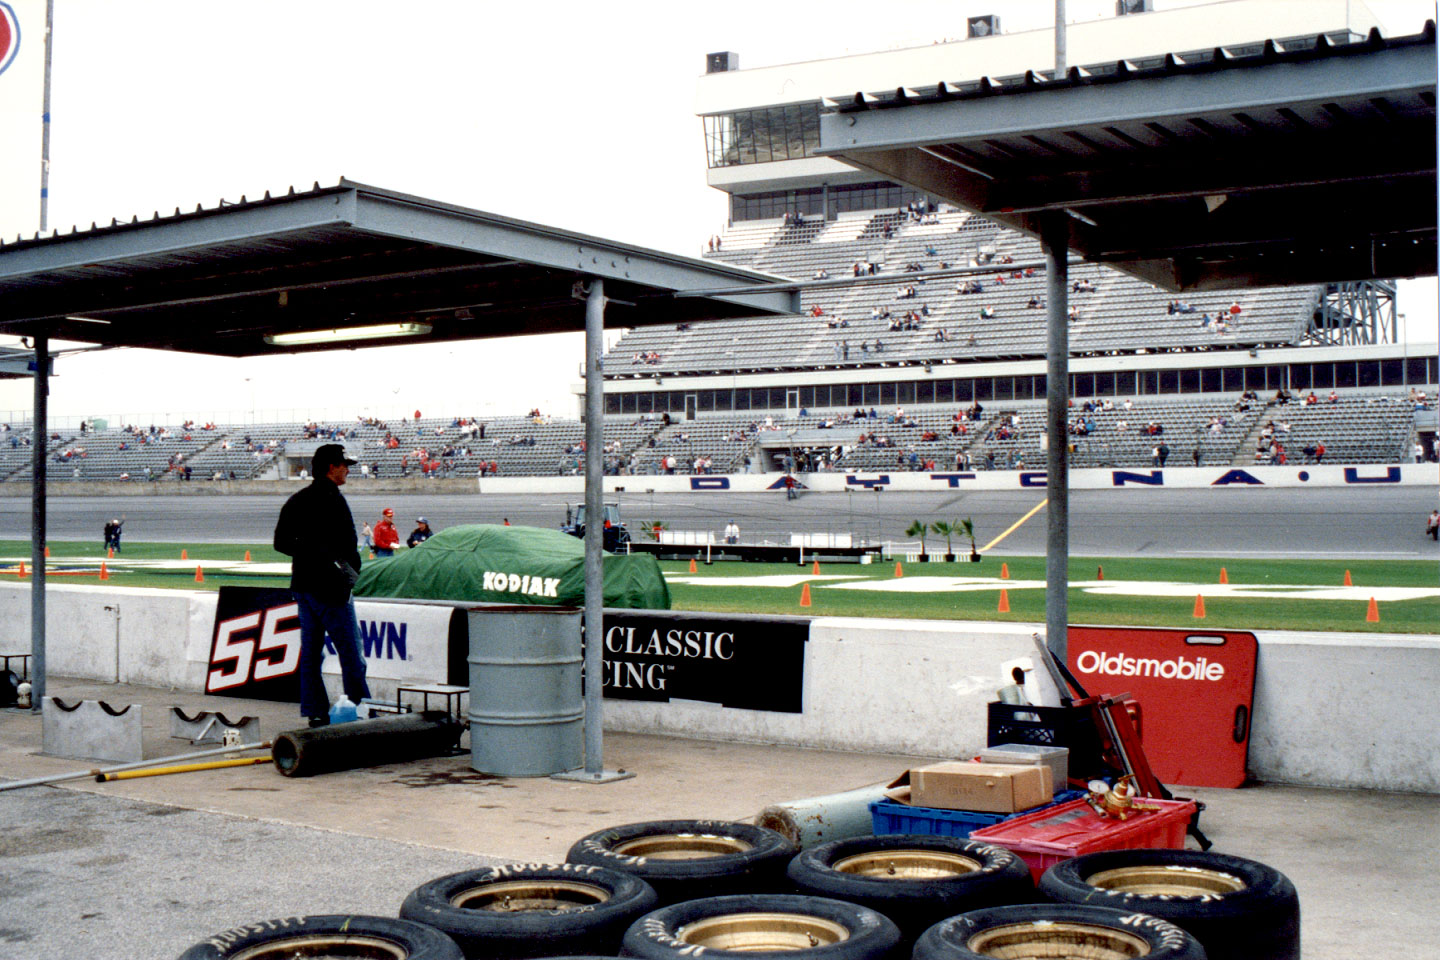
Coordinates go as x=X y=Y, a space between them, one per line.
x=574 y=114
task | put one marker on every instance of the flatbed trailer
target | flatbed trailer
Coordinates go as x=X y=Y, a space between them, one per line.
x=757 y=552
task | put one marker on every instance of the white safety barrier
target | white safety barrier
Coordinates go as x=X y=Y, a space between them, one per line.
x=1369 y=475
x=1329 y=710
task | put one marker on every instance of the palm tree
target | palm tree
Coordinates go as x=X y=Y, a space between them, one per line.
x=918 y=528
x=944 y=529
x=967 y=526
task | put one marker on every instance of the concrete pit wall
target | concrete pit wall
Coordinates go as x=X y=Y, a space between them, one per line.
x=1331 y=710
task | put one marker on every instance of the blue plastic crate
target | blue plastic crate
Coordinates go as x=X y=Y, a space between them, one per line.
x=888 y=817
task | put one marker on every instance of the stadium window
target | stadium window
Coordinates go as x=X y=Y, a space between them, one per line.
x=777 y=398
x=742 y=399
x=1124 y=383
x=724 y=400
x=905 y=392
x=944 y=391
x=855 y=395
x=964 y=391
x=705 y=401
x=1038 y=382
x=1233 y=379
x=1255 y=378
x=872 y=394
x=1169 y=381
x=1082 y=385
x=1189 y=381
x=1299 y=376
x=1345 y=374
x=1367 y=373
x=1149 y=382
x=1211 y=380
x=644 y=402
x=1275 y=375
x=1322 y=375
x=627 y=403
x=807 y=397
x=1415 y=370
x=924 y=391
x=1004 y=388
x=1104 y=384
x=612 y=403
x=1392 y=373
x=887 y=394
x=984 y=388
x=1024 y=388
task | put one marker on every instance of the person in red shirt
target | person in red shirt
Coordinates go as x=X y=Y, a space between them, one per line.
x=387 y=538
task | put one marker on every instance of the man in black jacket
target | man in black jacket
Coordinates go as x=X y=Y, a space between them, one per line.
x=317 y=532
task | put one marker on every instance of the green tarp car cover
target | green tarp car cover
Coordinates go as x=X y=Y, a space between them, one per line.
x=497 y=564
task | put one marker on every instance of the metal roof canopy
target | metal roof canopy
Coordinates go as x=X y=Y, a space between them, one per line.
x=219 y=280
x=1297 y=163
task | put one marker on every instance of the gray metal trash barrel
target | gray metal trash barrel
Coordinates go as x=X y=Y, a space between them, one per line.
x=526 y=711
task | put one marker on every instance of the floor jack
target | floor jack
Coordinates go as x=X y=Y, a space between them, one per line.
x=1120 y=746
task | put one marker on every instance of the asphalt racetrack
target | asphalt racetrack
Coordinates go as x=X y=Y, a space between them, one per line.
x=1359 y=522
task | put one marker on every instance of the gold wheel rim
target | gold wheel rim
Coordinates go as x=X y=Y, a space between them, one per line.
x=1168 y=880
x=519 y=896
x=762 y=932
x=915 y=864
x=325 y=946
x=681 y=846
x=1057 y=940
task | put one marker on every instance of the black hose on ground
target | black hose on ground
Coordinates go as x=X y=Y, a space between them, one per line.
x=365 y=743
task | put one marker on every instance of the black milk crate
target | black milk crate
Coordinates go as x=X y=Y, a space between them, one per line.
x=1070 y=727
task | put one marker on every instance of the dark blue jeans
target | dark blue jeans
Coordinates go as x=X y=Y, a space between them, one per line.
x=318 y=618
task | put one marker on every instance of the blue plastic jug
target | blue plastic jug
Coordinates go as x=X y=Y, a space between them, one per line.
x=343 y=711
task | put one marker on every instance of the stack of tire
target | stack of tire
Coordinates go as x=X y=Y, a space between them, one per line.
x=667 y=890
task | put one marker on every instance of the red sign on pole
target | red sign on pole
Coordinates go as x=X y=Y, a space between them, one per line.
x=1194 y=687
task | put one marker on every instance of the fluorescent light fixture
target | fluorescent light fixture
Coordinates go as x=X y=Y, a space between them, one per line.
x=378 y=331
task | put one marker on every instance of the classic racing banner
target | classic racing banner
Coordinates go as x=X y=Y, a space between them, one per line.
x=749 y=663
x=255 y=644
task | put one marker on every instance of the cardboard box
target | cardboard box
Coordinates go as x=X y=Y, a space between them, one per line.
x=1057 y=759
x=987 y=787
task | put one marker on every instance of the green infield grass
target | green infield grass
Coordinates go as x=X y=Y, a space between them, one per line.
x=1157 y=591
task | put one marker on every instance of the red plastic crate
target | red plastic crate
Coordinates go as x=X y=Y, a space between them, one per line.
x=1046 y=837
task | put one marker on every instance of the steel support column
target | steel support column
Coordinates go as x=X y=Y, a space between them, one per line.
x=594 y=771
x=40 y=432
x=1054 y=237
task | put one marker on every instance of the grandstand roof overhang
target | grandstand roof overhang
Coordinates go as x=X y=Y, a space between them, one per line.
x=221 y=280
x=1297 y=164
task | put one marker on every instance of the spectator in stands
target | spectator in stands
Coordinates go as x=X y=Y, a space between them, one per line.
x=1333 y=398
x=1419 y=451
x=420 y=534
x=1195 y=456
x=387 y=538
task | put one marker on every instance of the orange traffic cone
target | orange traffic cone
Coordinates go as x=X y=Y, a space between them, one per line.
x=184 y=554
x=1004 y=606
x=692 y=564
x=1199 y=606
x=899 y=570
x=47 y=551
x=247 y=556
x=1348 y=582
x=22 y=569
x=199 y=574
x=371 y=556
x=1004 y=571
x=110 y=554
x=1372 y=614
x=104 y=573
x=816 y=568
x=805 y=595
x=1224 y=577
x=1100 y=572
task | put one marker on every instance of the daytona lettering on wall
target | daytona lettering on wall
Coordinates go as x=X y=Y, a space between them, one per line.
x=752 y=663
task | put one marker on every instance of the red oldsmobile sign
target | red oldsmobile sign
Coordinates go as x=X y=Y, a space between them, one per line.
x=1194 y=687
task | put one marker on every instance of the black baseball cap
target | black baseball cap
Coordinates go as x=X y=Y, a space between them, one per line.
x=328 y=455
